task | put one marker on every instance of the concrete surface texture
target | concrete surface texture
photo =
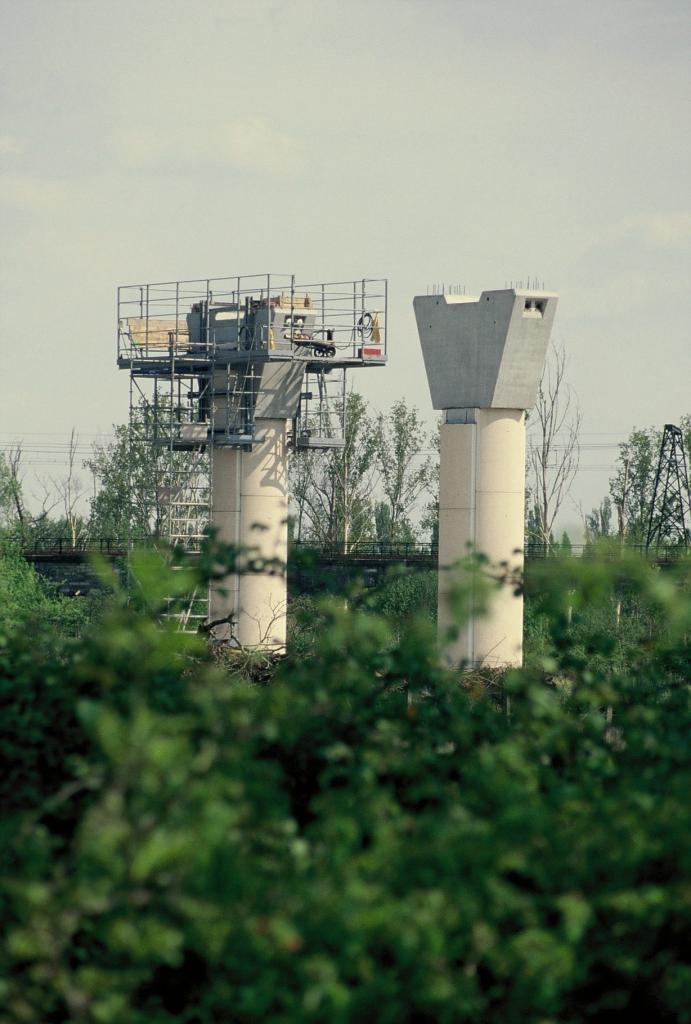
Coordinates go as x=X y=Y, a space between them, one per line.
x=486 y=352
x=250 y=510
x=481 y=508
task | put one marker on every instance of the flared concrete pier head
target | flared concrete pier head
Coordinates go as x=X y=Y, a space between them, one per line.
x=484 y=358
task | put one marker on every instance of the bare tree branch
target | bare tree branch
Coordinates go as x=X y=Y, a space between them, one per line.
x=554 y=453
x=70 y=490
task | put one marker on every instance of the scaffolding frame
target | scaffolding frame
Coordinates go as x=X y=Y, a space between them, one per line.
x=196 y=352
x=319 y=423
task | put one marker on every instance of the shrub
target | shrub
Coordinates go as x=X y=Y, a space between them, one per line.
x=406 y=594
x=365 y=838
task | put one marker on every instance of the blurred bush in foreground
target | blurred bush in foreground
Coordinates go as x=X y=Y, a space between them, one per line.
x=368 y=837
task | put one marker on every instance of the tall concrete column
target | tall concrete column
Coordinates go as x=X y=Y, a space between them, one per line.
x=484 y=357
x=224 y=596
x=250 y=510
x=481 y=508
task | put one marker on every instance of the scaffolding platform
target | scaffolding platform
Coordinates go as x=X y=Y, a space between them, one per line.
x=270 y=317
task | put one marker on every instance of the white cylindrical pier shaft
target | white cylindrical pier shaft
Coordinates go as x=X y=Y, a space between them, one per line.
x=481 y=508
x=250 y=510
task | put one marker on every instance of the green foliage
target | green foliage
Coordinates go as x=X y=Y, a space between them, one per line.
x=405 y=595
x=533 y=532
x=370 y=488
x=8 y=492
x=131 y=470
x=39 y=728
x=406 y=473
x=598 y=523
x=633 y=484
x=22 y=592
x=332 y=491
x=27 y=599
x=564 y=546
x=616 y=617
x=366 y=838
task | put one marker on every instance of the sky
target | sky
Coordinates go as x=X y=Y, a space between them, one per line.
x=465 y=142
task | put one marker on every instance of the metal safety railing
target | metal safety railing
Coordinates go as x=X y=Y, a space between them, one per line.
x=192 y=318
x=115 y=546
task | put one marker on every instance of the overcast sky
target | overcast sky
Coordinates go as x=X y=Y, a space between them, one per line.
x=460 y=142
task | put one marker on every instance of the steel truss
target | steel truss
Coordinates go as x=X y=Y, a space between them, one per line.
x=670 y=509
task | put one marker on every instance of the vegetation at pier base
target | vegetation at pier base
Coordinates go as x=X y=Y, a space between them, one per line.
x=366 y=837
x=24 y=595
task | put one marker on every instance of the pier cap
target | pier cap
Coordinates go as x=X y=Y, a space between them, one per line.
x=486 y=352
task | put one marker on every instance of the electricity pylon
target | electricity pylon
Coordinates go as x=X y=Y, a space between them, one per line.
x=670 y=508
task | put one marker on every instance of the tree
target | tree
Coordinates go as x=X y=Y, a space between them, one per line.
x=565 y=546
x=334 y=495
x=598 y=523
x=70 y=491
x=131 y=472
x=23 y=593
x=429 y=522
x=553 y=454
x=15 y=515
x=405 y=471
x=332 y=491
x=8 y=487
x=631 y=487
x=383 y=532
x=303 y=467
x=533 y=531
x=382 y=522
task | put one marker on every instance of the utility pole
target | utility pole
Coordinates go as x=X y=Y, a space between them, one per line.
x=622 y=505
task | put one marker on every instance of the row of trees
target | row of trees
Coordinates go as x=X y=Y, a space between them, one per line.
x=56 y=511
x=381 y=486
x=553 y=462
x=625 y=511
x=372 y=487
x=384 y=484
x=127 y=474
